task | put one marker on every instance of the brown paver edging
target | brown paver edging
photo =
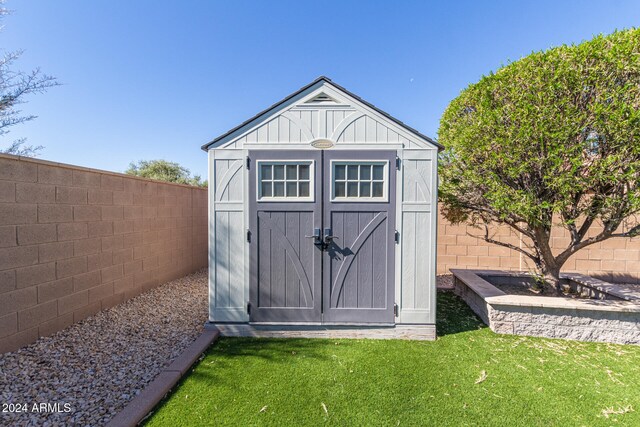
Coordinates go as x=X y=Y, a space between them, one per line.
x=138 y=409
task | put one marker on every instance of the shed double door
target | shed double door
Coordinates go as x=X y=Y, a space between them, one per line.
x=322 y=234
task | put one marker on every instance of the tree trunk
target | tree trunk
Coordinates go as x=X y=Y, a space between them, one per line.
x=551 y=277
x=548 y=264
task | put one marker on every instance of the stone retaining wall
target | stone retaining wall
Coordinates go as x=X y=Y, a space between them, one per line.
x=74 y=241
x=568 y=323
x=613 y=321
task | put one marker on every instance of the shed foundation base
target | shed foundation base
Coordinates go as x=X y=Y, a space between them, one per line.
x=400 y=332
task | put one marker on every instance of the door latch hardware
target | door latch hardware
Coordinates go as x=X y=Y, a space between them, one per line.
x=248 y=236
x=316 y=236
x=395 y=310
x=397 y=236
x=398 y=163
x=248 y=308
x=328 y=237
x=248 y=163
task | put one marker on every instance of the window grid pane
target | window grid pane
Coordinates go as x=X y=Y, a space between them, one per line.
x=363 y=180
x=292 y=172
x=303 y=172
x=278 y=171
x=352 y=172
x=378 y=172
x=292 y=189
x=303 y=189
x=352 y=189
x=285 y=180
x=266 y=172
x=377 y=189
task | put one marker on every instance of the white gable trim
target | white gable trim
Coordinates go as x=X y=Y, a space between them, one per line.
x=315 y=126
x=257 y=121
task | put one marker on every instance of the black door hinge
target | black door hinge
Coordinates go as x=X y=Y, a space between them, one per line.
x=397 y=236
x=395 y=310
x=248 y=236
x=248 y=163
x=398 y=163
x=248 y=308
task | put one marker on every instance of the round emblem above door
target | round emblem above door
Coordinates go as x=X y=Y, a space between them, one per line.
x=322 y=144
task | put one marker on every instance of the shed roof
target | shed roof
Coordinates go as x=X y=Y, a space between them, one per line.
x=325 y=79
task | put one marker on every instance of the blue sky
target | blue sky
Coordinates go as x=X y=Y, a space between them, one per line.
x=157 y=79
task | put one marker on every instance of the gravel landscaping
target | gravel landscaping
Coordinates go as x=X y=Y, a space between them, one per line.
x=444 y=281
x=98 y=365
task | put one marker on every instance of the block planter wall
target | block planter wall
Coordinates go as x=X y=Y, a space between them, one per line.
x=610 y=320
x=74 y=241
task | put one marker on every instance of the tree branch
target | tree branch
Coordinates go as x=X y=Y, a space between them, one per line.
x=564 y=255
x=486 y=238
x=512 y=221
x=634 y=232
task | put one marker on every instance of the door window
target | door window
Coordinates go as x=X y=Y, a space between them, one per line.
x=285 y=181
x=356 y=181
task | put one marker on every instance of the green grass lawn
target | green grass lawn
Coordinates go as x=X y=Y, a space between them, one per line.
x=469 y=376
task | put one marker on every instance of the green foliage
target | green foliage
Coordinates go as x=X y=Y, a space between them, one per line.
x=163 y=170
x=554 y=136
x=285 y=382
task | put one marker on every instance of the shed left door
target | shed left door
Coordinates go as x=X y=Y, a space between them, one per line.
x=285 y=194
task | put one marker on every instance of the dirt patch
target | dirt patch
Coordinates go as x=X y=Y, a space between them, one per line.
x=523 y=289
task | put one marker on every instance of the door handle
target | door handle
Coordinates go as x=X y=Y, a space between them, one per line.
x=316 y=235
x=328 y=237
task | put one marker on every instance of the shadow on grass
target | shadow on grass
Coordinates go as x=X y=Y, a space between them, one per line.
x=453 y=315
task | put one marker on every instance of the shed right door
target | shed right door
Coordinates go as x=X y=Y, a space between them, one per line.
x=359 y=212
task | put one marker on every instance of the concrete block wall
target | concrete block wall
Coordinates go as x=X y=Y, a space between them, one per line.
x=615 y=259
x=74 y=241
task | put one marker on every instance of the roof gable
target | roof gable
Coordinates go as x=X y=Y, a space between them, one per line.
x=322 y=110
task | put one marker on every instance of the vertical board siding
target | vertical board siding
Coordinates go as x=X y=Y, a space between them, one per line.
x=222 y=257
x=227 y=239
x=349 y=288
x=280 y=284
x=236 y=266
x=417 y=240
x=365 y=265
x=344 y=123
x=303 y=126
x=364 y=285
x=408 y=268
x=264 y=269
x=338 y=224
x=416 y=252
x=278 y=260
x=417 y=181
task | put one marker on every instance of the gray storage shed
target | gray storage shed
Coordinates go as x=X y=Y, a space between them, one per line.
x=322 y=210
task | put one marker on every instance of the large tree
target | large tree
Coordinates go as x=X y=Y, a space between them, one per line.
x=163 y=170
x=552 y=139
x=14 y=87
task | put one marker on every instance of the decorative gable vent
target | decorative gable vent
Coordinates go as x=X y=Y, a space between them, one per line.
x=322 y=98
